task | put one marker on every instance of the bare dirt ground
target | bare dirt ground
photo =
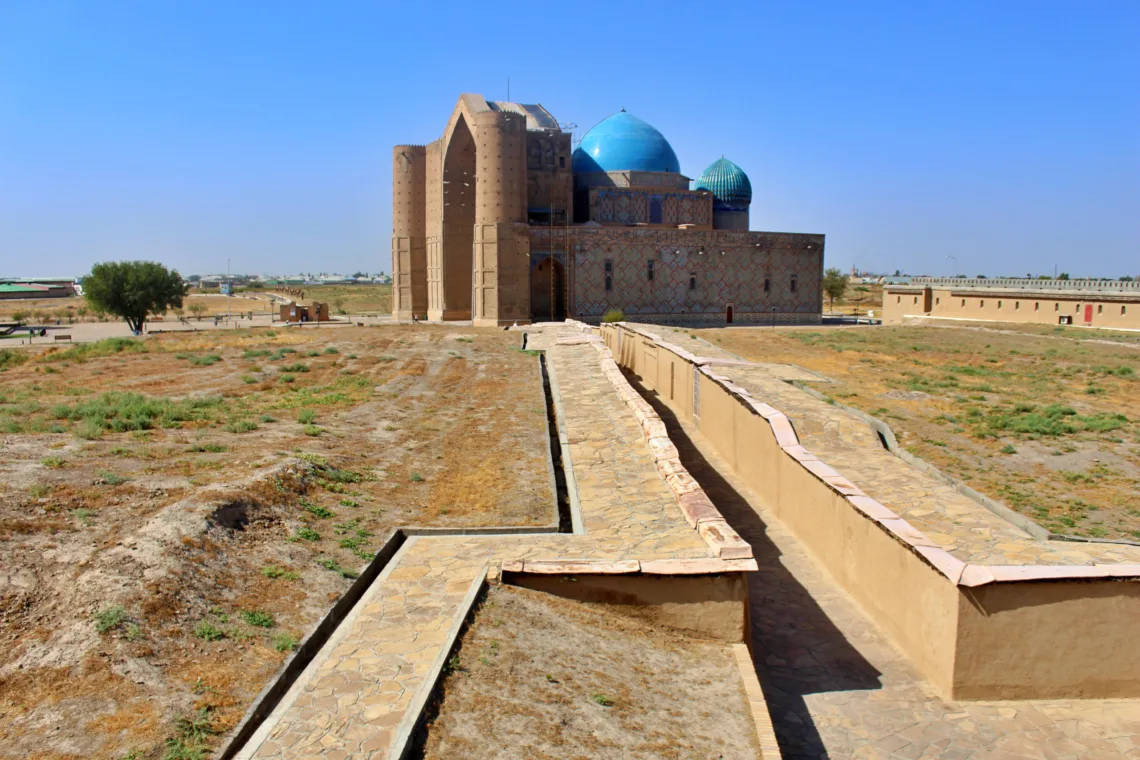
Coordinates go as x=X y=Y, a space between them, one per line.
x=1048 y=424
x=541 y=677
x=177 y=512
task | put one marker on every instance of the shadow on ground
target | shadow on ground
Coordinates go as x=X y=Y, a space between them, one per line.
x=796 y=649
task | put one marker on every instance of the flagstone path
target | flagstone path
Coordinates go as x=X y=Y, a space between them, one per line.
x=362 y=694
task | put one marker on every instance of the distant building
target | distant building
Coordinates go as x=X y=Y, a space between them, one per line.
x=48 y=287
x=498 y=222
x=1097 y=303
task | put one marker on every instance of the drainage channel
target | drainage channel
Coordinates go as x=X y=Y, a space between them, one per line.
x=270 y=696
x=557 y=464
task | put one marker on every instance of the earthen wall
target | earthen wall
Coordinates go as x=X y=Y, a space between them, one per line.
x=1018 y=306
x=978 y=632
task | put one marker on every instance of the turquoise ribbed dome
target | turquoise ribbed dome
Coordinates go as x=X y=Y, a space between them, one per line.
x=624 y=142
x=727 y=182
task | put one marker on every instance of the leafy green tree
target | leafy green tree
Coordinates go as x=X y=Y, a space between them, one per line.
x=133 y=290
x=1063 y=276
x=834 y=284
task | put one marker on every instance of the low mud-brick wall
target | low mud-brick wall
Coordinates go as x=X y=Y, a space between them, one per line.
x=977 y=631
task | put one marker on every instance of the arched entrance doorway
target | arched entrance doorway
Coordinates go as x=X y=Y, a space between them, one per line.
x=547 y=290
x=453 y=279
x=728 y=314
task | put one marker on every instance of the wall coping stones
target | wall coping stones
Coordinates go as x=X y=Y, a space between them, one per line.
x=950 y=567
x=697 y=508
x=722 y=540
x=578 y=567
x=706 y=566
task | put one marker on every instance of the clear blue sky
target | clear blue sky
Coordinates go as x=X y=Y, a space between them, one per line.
x=1006 y=134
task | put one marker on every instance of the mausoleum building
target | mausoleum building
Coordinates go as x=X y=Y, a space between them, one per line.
x=499 y=221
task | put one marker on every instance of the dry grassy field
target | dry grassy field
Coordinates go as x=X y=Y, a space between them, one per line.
x=348 y=299
x=545 y=678
x=177 y=512
x=352 y=299
x=1047 y=420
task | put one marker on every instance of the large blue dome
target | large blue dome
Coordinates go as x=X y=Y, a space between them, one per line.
x=624 y=142
x=727 y=182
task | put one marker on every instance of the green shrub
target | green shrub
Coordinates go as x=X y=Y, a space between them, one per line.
x=332 y=350
x=213 y=448
x=122 y=412
x=317 y=510
x=111 y=479
x=240 y=426
x=204 y=360
x=340 y=476
x=308 y=534
x=295 y=367
x=313 y=430
x=331 y=564
x=53 y=463
x=614 y=315
x=208 y=631
x=109 y=618
x=1102 y=423
x=274 y=572
x=109 y=347
x=287 y=378
x=258 y=619
x=10 y=359
x=306 y=416
x=284 y=642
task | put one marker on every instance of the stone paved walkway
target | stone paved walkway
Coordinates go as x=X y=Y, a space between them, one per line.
x=360 y=694
x=838 y=688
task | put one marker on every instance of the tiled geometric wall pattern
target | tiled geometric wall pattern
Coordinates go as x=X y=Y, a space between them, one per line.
x=688 y=208
x=609 y=205
x=730 y=268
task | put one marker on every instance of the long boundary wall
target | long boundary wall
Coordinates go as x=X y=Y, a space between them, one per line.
x=978 y=632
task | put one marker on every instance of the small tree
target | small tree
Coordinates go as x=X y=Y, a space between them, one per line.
x=133 y=290
x=834 y=284
x=1063 y=276
x=197 y=309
